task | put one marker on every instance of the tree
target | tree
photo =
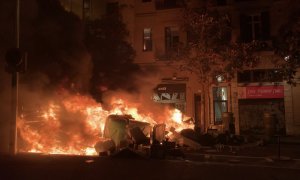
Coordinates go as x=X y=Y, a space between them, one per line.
x=210 y=52
x=112 y=55
x=287 y=47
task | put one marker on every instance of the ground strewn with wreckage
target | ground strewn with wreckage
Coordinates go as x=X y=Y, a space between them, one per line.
x=193 y=166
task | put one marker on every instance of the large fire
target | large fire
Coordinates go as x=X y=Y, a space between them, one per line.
x=74 y=124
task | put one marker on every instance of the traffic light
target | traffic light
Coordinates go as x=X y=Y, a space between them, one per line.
x=16 y=61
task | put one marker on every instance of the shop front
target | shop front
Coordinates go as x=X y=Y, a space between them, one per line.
x=172 y=94
x=257 y=104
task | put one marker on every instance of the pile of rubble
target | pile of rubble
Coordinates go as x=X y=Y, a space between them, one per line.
x=123 y=136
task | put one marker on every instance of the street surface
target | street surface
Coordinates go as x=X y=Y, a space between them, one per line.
x=195 y=166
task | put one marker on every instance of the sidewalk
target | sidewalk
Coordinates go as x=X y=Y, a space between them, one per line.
x=284 y=145
x=263 y=156
x=290 y=140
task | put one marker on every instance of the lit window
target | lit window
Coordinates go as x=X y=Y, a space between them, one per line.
x=220 y=103
x=147 y=44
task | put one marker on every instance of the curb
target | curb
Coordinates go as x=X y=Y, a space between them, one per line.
x=237 y=159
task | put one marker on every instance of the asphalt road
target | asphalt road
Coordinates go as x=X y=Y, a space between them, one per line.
x=76 y=167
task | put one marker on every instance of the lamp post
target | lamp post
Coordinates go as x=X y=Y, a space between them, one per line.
x=14 y=61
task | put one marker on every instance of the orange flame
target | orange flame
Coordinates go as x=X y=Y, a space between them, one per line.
x=74 y=124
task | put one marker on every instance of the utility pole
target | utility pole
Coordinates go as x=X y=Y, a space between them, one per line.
x=14 y=89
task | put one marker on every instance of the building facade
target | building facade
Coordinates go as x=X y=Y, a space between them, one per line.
x=155 y=28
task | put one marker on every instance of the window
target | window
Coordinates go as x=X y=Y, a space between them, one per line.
x=259 y=75
x=255 y=26
x=243 y=0
x=172 y=94
x=146 y=0
x=168 y=4
x=86 y=9
x=218 y=2
x=147 y=44
x=221 y=2
x=220 y=103
x=112 y=8
x=86 y=4
x=171 y=38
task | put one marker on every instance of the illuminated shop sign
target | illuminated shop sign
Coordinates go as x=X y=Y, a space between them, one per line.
x=260 y=92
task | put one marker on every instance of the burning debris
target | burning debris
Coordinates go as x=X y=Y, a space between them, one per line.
x=71 y=123
x=78 y=125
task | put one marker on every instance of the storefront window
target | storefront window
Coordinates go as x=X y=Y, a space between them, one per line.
x=220 y=103
x=172 y=94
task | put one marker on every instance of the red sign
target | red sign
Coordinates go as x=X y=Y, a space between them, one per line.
x=259 y=92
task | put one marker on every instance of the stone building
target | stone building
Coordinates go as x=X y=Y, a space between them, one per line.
x=155 y=28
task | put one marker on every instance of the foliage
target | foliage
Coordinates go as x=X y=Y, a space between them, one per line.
x=112 y=55
x=210 y=51
x=287 y=47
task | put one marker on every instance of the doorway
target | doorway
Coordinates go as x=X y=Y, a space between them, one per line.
x=197 y=103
